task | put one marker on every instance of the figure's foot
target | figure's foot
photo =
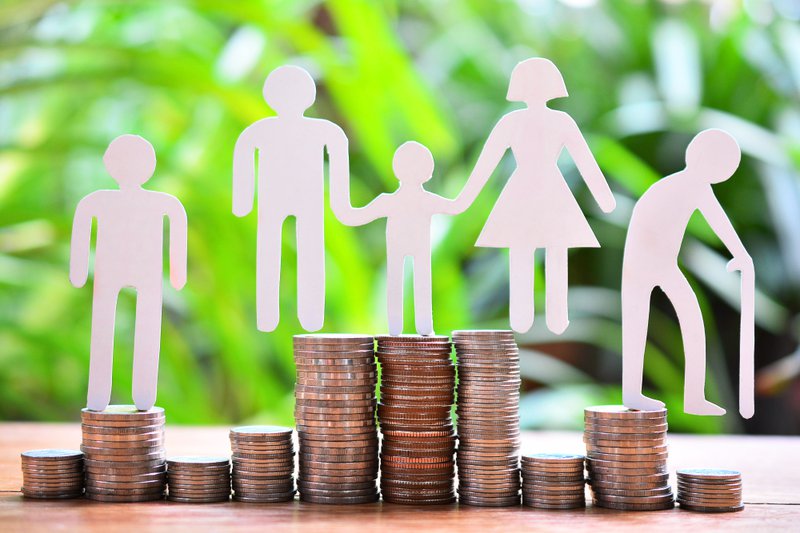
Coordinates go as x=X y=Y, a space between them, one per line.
x=395 y=329
x=268 y=321
x=313 y=323
x=521 y=322
x=96 y=406
x=424 y=328
x=641 y=402
x=701 y=406
x=144 y=404
x=557 y=324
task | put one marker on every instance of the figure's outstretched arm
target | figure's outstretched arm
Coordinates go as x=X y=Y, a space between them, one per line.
x=496 y=145
x=339 y=171
x=81 y=242
x=587 y=166
x=244 y=173
x=358 y=216
x=446 y=206
x=719 y=222
x=178 y=230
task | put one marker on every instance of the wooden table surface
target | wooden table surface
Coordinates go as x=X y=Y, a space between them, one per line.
x=769 y=466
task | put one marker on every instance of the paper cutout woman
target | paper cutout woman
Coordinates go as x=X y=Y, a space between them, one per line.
x=128 y=253
x=291 y=151
x=536 y=209
x=408 y=213
x=652 y=246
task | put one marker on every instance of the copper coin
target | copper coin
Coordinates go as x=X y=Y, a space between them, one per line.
x=622 y=412
x=122 y=412
x=124 y=498
x=705 y=509
x=339 y=500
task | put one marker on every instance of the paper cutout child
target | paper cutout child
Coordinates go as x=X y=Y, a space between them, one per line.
x=536 y=208
x=130 y=237
x=652 y=246
x=408 y=212
x=290 y=149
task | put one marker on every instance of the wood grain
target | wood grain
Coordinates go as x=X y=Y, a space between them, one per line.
x=768 y=465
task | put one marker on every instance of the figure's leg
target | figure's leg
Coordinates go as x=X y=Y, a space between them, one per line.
x=101 y=352
x=423 y=307
x=555 y=272
x=635 y=318
x=394 y=292
x=268 y=271
x=521 y=267
x=690 y=317
x=311 y=270
x=146 y=345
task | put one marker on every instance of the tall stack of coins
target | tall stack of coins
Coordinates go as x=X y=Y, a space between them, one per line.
x=627 y=458
x=52 y=474
x=124 y=454
x=488 y=417
x=263 y=464
x=419 y=440
x=553 y=481
x=710 y=491
x=199 y=479
x=335 y=416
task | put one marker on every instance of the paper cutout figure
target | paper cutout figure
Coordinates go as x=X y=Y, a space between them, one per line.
x=290 y=152
x=408 y=212
x=652 y=246
x=536 y=208
x=130 y=239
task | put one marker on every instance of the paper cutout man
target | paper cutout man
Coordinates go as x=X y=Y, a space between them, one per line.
x=408 y=212
x=130 y=238
x=654 y=240
x=536 y=208
x=290 y=149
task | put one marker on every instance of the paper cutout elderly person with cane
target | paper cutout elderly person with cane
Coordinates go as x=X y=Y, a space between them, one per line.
x=652 y=246
x=130 y=237
x=290 y=150
x=536 y=208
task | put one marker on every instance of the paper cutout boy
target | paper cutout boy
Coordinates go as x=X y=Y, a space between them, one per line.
x=408 y=212
x=291 y=150
x=652 y=246
x=130 y=233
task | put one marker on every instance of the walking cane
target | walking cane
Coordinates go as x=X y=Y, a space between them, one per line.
x=746 y=344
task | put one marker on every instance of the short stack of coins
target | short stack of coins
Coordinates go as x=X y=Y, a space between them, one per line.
x=626 y=458
x=488 y=417
x=52 y=474
x=263 y=464
x=415 y=416
x=710 y=491
x=335 y=417
x=124 y=454
x=199 y=479
x=553 y=481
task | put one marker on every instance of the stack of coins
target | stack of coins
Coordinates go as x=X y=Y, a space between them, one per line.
x=52 y=474
x=124 y=454
x=263 y=464
x=419 y=440
x=627 y=458
x=488 y=417
x=553 y=481
x=335 y=416
x=710 y=491
x=199 y=479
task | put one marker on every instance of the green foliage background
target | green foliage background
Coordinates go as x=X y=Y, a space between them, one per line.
x=643 y=76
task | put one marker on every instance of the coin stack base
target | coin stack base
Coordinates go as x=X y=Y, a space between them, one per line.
x=419 y=440
x=488 y=418
x=263 y=464
x=199 y=479
x=52 y=474
x=710 y=491
x=124 y=454
x=335 y=416
x=553 y=481
x=626 y=458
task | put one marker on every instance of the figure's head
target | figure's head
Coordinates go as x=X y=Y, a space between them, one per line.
x=535 y=81
x=713 y=155
x=289 y=90
x=412 y=163
x=130 y=160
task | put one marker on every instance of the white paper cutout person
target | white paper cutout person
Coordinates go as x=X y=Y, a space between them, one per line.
x=128 y=253
x=290 y=149
x=652 y=246
x=536 y=208
x=408 y=212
